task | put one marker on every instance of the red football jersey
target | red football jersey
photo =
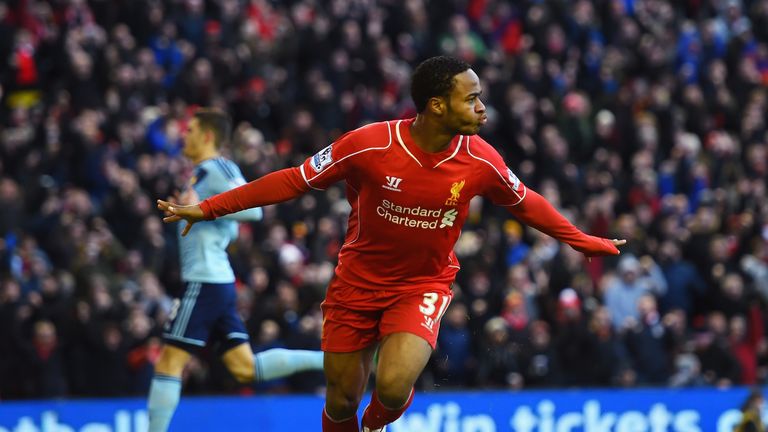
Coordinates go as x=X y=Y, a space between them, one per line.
x=408 y=206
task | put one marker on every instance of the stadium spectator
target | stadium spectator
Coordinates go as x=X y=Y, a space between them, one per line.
x=718 y=364
x=541 y=365
x=44 y=363
x=649 y=341
x=455 y=361
x=573 y=342
x=685 y=287
x=745 y=337
x=499 y=363
x=636 y=278
x=608 y=355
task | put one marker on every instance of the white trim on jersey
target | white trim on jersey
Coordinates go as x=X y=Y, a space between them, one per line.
x=461 y=138
x=190 y=341
x=350 y=155
x=400 y=140
x=452 y=264
x=525 y=190
x=301 y=168
x=237 y=335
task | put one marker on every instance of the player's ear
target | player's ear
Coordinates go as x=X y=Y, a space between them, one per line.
x=210 y=137
x=437 y=105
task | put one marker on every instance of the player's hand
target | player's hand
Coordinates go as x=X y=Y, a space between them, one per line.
x=176 y=212
x=617 y=243
x=611 y=247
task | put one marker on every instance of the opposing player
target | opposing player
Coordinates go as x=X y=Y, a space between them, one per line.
x=409 y=183
x=207 y=306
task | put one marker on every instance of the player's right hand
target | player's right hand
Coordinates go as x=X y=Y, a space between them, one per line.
x=176 y=212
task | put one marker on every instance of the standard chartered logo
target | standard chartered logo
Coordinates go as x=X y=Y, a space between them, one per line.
x=416 y=217
x=448 y=218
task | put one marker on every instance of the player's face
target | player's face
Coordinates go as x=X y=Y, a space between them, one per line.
x=465 y=111
x=193 y=140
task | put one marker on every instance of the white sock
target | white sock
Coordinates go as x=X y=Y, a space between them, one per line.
x=279 y=363
x=164 y=396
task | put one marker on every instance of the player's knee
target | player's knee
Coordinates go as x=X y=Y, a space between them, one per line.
x=393 y=391
x=171 y=363
x=243 y=374
x=241 y=369
x=239 y=361
x=341 y=404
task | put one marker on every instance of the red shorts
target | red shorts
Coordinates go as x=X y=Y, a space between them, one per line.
x=355 y=318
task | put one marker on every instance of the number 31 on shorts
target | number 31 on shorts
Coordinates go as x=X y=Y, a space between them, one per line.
x=427 y=307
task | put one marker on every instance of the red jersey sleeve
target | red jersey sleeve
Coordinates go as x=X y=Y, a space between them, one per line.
x=273 y=188
x=504 y=188
x=501 y=185
x=330 y=164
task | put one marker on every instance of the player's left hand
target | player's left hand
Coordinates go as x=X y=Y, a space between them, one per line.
x=617 y=243
x=612 y=248
x=175 y=212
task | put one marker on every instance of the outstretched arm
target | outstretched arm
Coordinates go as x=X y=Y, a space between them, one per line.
x=504 y=188
x=273 y=188
x=538 y=213
x=190 y=196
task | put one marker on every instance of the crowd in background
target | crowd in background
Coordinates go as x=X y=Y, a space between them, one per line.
x=638 y=119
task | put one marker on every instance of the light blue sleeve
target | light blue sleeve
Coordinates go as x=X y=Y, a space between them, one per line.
x=227 y=177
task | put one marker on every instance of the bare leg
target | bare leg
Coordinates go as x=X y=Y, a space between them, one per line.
x=172 y=361
x=347 y=375
x=239 y=361
x=402 y=358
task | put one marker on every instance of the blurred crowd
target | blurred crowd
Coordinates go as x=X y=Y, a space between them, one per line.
x=638 y=119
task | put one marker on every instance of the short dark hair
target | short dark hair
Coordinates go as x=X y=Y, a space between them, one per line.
x=434 y=77
x=216 y=121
